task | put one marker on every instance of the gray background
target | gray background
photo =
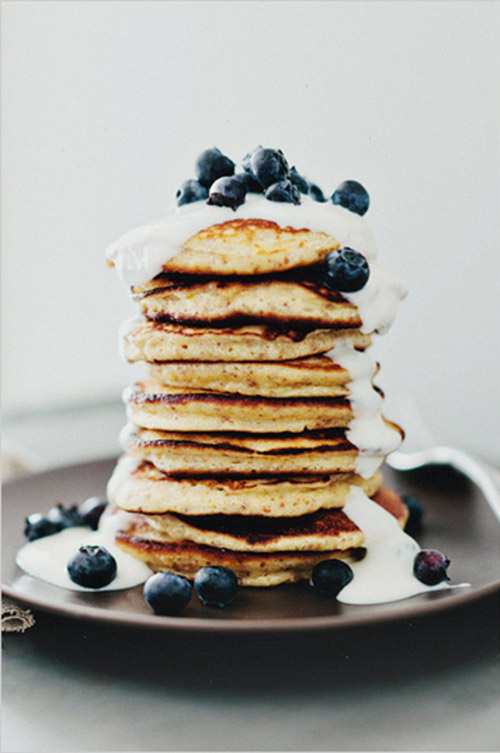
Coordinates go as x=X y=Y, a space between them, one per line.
x=107 y=104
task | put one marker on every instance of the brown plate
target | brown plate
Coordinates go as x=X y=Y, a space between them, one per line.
x=457 y=522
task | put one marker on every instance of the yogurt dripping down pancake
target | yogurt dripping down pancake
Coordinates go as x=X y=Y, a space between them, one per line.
x=138 y=486
x=145 y=340
x=253 y=568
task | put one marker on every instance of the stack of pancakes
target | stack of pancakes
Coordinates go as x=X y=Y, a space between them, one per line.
x=237 y=451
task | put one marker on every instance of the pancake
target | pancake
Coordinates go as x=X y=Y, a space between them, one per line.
x=242 y=454
x=240 y=246
x=252 y=568
x=156 y=406
x=322 y=530
x=145 y=340
x=137 y=486
x=311 y=376
x=291 y=303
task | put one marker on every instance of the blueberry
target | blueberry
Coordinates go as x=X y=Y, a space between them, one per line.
x=251 y=185
x=92 y=566
x=191 y=190
x=64 y=517
x=345 y=270
x=245 y=162
x=91 y=510
x=285 y=191
x=167 y=593
x=430 y=566
x=298 y=180
x=227 y=192
x=38 y=526
x=316 y=193
x=268 y=166
x=216 y=586
x=416 y=513
x=330 y=576
x=352 y=195
x=212 y=164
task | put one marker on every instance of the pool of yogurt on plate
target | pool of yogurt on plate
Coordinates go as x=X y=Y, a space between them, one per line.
x=47 y=558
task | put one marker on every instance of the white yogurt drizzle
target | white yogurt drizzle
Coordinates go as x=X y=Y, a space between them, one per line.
x=140 y=254
x=378 y=300
x=47 y=558
x=386 y=572
x=367 y=431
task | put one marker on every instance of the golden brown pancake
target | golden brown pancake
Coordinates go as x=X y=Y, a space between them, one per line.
x=242 y=454
x=137 y=486
x=308 y=377
x=157 y=342
x=251 y=569
x=156 y=406
x=248 y=247
x=292 y=303
x=322 y=530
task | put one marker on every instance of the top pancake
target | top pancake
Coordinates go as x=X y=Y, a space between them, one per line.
x=247 y=247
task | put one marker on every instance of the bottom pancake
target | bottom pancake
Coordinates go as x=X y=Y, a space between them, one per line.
x=252 y=568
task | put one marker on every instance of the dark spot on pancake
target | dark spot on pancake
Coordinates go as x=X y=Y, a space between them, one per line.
x=257 y=529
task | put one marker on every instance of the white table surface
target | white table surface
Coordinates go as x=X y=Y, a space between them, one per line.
x=69 y=686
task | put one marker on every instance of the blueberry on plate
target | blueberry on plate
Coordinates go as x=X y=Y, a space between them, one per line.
x=352 y=195
x=248 y=180
x=92 y=566
x=284 y=191
x=316 y=193
x=415 y=513
x=212 y=164
x=167 y=593
x=227 y=192
x=268 y=166
x=216 y=586
x=330 y=576
x=430 y=567
x=345 y=270
x=65 y=517
x=91 y=510
x=298 y=180
x=190 y=191
x=38 y=526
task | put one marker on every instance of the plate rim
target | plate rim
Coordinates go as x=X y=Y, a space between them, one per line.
x=294 y=624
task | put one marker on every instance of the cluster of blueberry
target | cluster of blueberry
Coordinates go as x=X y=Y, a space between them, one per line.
x=59 y=517
x=264 y=171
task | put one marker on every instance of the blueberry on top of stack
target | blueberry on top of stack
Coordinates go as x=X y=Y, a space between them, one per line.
x=264 y=171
